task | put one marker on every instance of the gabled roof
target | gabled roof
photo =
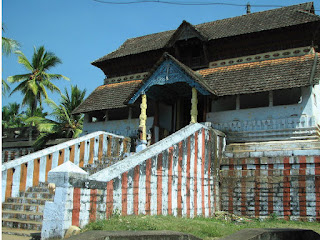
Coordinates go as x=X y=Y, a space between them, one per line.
x=264 y=75
x=249 y=23
x=185 y=31
x=197 y=78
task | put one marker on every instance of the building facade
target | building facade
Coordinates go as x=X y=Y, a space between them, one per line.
x=255 y=83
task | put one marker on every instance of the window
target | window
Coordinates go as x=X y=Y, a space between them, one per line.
x=286 y=96
x=224 y=103
x=254 y=100
x=118 y=114
x=98 y=116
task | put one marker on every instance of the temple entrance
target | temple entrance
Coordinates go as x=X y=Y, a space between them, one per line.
x=182 y=112
x=172 y=106
x=179 y=95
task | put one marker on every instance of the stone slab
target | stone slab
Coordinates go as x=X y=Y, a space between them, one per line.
x=139 y=235
x=273 y=234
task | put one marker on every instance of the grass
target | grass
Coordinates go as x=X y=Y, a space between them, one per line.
x=205 y=228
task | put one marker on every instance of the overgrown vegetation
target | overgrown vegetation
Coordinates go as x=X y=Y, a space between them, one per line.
x=205 y=228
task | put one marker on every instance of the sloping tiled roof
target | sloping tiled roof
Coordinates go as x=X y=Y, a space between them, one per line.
x=249 y=23
x=263 y=76
x=242 y=78
x=108 y=96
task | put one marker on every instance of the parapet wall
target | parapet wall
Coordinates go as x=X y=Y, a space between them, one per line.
x=284 y=183
x=27 y=171
x=176 y=176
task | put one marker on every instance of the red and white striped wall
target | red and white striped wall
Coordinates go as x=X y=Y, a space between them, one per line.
x=173 y=177
x=27 y=171
x=288 y=187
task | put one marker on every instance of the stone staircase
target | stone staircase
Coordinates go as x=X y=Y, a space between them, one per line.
x=23 y=215
x=104 y=163
x=270 y=149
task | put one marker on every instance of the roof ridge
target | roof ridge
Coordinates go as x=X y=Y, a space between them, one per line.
x=160 y=40
x=152 y=34
x=255 y=13
x=308 y=13
x=290 y=6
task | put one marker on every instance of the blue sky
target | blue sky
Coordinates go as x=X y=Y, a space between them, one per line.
x=81 y=31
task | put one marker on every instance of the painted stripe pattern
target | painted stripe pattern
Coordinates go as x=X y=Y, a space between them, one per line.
x=161 y=185
x=288 y=187
x=28 y=171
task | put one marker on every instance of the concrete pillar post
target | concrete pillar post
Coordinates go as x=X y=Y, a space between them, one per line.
x=142 y=144
x=57 y=217
x=194 y=108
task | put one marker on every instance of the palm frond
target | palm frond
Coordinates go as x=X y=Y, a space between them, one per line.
x=9 y=46
x=57 y=76
x=37 y=57
x=50 y=61
x=21 y=87
x=22 y=59
x=77 y=132
x=18 y=78
x=42 y=91
x=48 y=84
x=5 y=87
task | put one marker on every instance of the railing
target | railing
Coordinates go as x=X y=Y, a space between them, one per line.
x=175 y=176
x=27 y=171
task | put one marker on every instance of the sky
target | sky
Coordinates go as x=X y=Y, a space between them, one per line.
x=81 y=31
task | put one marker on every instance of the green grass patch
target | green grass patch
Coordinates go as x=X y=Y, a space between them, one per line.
x=205 y=228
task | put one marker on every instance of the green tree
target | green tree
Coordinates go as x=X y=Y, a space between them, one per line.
x=34 y=84
x=63 y=124
x=8 y=46
x=12 y=116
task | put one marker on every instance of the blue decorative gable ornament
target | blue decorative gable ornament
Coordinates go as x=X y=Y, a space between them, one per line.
x=167 y=73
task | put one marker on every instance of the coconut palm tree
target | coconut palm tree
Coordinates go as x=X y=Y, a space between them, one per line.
x=34 y=84
x=64 y=125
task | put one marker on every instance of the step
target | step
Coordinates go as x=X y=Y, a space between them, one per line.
x=28 y=200
x=21 y=215
x=38 y=189
x=46 y=195
x=16 y=223
x=273 y=146
x=22 y=207
x=18 y=232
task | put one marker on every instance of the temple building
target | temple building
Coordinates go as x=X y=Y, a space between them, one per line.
x=225 y=116
x=254 y=77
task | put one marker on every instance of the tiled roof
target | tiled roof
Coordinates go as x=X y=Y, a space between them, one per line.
x=242 y=78
x=249 y=23
x=263 y=75
x=108 y=96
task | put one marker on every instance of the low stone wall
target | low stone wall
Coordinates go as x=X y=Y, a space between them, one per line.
x=10 y=154
x=284 y=185
x=175 y=176
x=27 y=171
